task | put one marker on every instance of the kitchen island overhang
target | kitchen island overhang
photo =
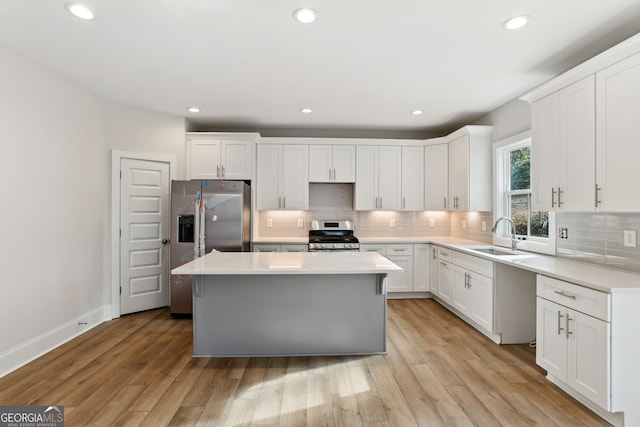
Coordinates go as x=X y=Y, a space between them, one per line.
x=289 y=304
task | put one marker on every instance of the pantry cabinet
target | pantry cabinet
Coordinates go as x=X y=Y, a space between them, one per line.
x=563 y=149
x=332 y=163
x=282 y=176
x=618 y=130
x=220 y=156
x=378 y=177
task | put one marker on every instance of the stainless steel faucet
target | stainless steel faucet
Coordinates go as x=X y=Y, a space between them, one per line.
x=514 y=242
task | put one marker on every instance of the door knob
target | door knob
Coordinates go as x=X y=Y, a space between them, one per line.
x=165 y=241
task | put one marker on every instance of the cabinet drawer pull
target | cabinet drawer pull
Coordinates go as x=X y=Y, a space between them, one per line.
x=443 y=263
x=562 y=293
x=568 y=331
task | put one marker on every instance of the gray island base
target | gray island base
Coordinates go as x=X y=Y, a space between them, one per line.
x=289 y=304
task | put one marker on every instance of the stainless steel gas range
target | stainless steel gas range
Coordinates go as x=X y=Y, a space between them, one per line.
x=332 y=236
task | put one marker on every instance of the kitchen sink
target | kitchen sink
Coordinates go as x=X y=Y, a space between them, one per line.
x=497 y=252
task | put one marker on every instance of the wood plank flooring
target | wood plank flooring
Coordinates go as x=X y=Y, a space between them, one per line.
x=138 y=371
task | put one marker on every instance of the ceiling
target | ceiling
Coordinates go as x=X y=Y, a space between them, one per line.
x=362 y=65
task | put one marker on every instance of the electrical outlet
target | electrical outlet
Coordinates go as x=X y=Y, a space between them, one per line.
x=432 y=222
x=484 y=225
x=300 y=223
x=392 y=222
x=269 y=223
x=630 y=238
x=464 y=224
x=564 y=233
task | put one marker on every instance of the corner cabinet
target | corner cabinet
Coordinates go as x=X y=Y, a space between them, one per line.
x=282 y=176
x=332 y=163
x=220 y=156
x=563 y=149
x=378 y=177
x=470 y=176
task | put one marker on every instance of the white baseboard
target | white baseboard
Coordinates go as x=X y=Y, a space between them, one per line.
x=28 y=351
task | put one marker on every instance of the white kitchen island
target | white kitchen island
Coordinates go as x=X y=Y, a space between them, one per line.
x=288 y=303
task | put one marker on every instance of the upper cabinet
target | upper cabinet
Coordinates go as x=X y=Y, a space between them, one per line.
x=220 y=156
x=618 y=135
x=469 y=159
x=378 y=177
x=585 y=134
x=412 y=177
x=563 y=148
x=436 y=177
x=282 y=176
x=332 y=163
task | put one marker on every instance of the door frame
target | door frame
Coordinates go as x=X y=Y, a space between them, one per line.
x=116 y=157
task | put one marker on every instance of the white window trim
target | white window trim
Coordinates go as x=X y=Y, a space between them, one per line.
x=543 y=246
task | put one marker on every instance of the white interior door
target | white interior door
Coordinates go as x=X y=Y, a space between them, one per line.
x=144 y=228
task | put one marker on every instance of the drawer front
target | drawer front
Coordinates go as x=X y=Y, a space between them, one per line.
x=579 y=298
x=444 y=254
x=473 y=263
x=373 y=248
x=399 y=250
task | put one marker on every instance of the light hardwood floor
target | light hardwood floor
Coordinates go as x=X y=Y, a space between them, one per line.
x=138 y=370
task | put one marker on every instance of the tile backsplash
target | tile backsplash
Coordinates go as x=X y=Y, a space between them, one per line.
x=469 y=225
x=599 y=238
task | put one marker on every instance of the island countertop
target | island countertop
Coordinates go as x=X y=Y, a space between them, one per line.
x=260 y=263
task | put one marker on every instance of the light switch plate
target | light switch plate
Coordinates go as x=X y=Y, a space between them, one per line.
x=630 y=238
x=269 y=223
x=484 y=225
x=432 y=222
x=300 y=223
x=392 y=222
x=464 y=224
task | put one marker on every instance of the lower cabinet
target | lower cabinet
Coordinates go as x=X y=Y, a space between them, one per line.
x=265 y=247
x=573 y=338
x=465 y=283
x=414 y=261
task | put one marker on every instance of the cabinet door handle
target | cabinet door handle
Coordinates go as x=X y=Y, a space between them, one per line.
x=334 y=174
x=284 y=202
x=598 y=195
x=469 y=281
x=564 y=294
x=279 y=202
x=560 y=328
x=218 y=171
x=553 y=197
x=223 y=171
x=330 y=174
x=445 y=203
x=404 y=204
x=435 y=253
x=568 y=331
x=560 y=193
x=380 y=202
x=443 y=263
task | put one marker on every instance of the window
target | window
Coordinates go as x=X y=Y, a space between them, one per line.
x=513 y=176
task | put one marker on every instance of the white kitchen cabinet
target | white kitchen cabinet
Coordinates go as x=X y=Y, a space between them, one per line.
x=472 y=291
x=421 y=267
x=563 y=149
x=436 y=173
x=220 y=156
x=445 y=275
x=618 y=131
x=469 y=160
x=412 y=178
x=401 y=255
x=332 y=163
x=574 y=337
x=282 y=176
x=378 y=177
x=433 y=270
x=268 y=247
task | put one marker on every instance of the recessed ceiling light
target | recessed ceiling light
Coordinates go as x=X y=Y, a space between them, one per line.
x=79 y=11
x=306 y=110
x=516 y=22
x=193 y=109
x=304 y=15
x=417 y=112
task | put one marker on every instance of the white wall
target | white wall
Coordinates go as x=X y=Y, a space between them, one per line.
x=53 y=208
x=56 y=140
x=509 y=119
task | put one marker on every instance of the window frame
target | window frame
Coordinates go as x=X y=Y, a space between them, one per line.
x=502 y=236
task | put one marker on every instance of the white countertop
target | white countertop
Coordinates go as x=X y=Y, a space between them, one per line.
x=257 y=263
x=593 y=276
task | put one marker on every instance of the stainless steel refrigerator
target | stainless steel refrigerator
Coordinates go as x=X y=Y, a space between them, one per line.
x=205 y=216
